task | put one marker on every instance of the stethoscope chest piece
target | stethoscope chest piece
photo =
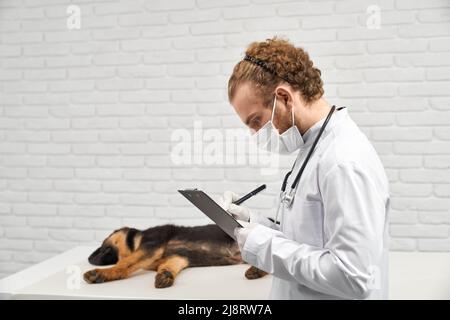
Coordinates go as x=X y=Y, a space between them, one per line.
x=288 y=197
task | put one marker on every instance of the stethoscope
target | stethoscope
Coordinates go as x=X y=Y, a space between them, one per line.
x=287 y=198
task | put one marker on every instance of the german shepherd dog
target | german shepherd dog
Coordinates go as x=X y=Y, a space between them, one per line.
x=166 y=249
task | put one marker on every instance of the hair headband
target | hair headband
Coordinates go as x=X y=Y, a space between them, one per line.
x=263 y=65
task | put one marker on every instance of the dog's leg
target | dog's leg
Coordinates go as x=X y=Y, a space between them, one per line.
x=124 y=268
x=254 y=273
x=169 y=269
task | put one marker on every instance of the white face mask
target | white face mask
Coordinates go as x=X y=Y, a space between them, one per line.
x=269 y=139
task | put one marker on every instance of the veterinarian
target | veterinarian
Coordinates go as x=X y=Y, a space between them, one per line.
x=332 y=241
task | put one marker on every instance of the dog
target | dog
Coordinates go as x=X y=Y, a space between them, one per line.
x=166 y=249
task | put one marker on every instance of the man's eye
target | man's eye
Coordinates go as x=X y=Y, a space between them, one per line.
x=255 y=122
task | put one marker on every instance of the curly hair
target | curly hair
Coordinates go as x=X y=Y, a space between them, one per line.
x=288 y=63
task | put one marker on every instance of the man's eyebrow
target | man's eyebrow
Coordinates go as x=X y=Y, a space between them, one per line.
x=249 y=117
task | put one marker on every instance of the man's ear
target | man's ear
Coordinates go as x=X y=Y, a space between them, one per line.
x=131 y=234
x=284 y=95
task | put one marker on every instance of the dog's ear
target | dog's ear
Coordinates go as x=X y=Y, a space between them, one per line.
x=131 y=234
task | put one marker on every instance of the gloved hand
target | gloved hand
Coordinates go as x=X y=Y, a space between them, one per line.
x=241 y=234
x=238 y=212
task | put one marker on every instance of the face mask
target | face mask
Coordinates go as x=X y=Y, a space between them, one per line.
x=269 y=139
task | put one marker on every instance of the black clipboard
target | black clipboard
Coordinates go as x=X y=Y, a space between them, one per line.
x=211 y=209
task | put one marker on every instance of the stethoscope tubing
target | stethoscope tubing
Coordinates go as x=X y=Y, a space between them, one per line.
x=289 y=197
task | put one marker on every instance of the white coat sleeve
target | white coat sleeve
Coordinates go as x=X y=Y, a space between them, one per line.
x=353 y=226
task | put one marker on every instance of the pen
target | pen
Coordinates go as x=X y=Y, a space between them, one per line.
x=249 y=195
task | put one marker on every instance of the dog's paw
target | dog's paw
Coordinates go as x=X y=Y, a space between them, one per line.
x=94 y=276
x=164 y=279
x=254 y=273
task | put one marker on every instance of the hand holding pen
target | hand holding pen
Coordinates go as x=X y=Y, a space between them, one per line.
x=230 y=202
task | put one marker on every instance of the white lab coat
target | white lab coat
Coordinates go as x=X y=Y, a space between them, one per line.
x=333 y=242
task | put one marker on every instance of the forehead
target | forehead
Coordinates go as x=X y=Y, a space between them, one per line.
x=246 y=100
x=116 y=236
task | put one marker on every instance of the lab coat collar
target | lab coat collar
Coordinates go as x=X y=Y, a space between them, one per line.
x=311 y=133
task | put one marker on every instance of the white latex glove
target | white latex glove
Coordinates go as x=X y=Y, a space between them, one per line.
x=238 y=212
x=241 y=234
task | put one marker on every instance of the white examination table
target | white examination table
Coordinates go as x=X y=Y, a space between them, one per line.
x=413 y=275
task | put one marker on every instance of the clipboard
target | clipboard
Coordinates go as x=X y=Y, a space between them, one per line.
x=211 y=209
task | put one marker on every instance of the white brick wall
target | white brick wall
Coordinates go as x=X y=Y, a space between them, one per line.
x=86 y=115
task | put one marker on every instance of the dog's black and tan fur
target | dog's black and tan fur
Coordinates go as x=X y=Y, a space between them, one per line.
x=166 y=249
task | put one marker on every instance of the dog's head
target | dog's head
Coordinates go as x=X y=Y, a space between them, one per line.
x=117 y=245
